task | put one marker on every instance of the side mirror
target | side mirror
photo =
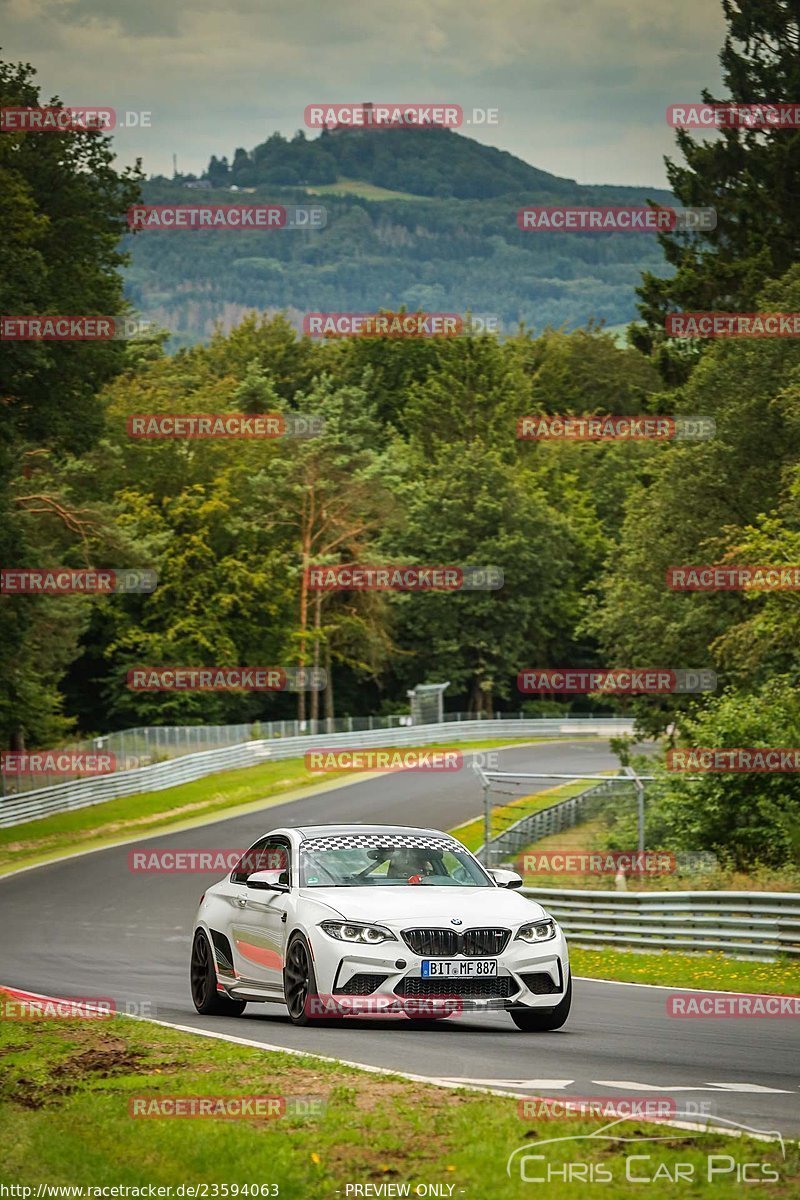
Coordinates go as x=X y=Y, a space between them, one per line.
x=505 y=879
x=269 y=881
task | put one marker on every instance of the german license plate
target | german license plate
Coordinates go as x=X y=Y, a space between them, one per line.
x=445 y=968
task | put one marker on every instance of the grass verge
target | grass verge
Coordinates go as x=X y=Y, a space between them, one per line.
x=179 y=807
x=67 y=1087
x=709 y=969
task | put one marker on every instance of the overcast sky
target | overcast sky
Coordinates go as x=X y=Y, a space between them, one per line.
x=581 y=85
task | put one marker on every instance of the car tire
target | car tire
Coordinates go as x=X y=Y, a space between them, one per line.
x=299 y=980
x=535 y=1020
x=203 y=977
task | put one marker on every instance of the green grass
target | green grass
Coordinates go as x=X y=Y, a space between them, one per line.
x=356 y=187
x=179 y=807
x=709 y=969
x=503 y=815
x=64 y=1120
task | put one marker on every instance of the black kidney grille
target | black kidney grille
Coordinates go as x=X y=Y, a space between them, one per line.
x=446 y=943
x=435 y=942
x=484 y=943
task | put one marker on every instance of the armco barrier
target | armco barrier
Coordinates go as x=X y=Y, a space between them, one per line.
x=62 y=797
x=144 y=745
x=757 y=925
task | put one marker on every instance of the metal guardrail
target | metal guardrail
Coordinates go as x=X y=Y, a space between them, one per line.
x=148 y=744
x=757 y=925
x=63 y=797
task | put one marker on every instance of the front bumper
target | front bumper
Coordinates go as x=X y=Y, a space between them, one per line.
x=386 y=979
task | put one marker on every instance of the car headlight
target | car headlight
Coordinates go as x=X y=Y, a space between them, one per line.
x=352 y=931
x=537 y=931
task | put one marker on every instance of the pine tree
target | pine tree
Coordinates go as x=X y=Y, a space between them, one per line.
x=750 y=176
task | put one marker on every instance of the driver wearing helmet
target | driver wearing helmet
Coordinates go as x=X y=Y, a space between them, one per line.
x=406 y=863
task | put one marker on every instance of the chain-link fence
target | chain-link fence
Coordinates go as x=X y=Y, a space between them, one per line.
x=148 y=744
x=515 y=826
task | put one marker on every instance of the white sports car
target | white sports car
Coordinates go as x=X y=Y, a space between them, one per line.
x=345 y=920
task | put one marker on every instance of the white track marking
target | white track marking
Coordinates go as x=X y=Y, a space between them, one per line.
x=628 y=1086
x=750 y=1087
x=550 y=1084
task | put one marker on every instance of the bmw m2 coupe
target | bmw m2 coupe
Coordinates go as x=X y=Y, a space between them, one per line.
x=344 y=920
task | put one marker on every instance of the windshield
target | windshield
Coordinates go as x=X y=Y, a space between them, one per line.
x=371 y=861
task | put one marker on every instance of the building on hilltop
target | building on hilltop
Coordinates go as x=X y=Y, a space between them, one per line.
x=373 y=120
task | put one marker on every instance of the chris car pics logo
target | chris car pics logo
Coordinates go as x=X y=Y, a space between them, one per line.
x=620 y=1153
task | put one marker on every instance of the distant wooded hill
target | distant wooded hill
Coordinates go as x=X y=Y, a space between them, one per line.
x=420 y=218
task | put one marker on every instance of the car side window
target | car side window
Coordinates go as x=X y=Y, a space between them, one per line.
x=268 y=854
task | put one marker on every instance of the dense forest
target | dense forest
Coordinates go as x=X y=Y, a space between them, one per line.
x=418 y=460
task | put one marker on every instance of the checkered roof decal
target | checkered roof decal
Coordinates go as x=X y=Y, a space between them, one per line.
x=389 y=841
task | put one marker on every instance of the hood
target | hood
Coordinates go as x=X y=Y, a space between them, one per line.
x=429 y=905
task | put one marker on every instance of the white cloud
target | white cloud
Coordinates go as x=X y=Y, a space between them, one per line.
x=582 y=87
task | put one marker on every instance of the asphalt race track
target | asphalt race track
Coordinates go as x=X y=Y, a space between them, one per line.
x=89 y=927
